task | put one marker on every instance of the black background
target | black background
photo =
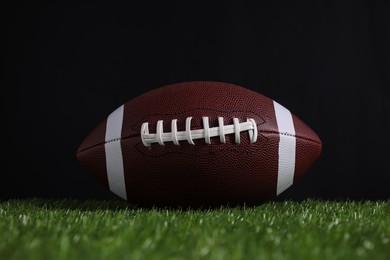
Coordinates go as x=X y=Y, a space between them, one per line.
x=67 y=68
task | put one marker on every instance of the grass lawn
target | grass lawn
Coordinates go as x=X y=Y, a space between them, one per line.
x=49 y=229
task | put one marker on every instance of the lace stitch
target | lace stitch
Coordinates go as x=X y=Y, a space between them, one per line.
x=206 y=133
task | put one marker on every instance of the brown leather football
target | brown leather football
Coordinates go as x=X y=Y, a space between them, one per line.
x=199 y=144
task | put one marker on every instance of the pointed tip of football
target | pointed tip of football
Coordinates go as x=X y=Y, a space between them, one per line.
x=308 y=147
x=91 y=154
x=95 y=138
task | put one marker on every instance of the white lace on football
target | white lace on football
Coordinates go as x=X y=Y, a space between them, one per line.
x=206 y=133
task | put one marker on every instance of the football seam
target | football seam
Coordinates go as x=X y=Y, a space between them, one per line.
x=106 y=142
x=260 y=132
x=113 y=140
x=292 y=135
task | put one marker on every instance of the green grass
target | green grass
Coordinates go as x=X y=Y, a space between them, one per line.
x=42 y=229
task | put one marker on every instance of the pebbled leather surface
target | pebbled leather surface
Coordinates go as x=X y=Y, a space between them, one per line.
x=203 y=174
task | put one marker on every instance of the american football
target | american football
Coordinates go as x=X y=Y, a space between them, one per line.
x=199 y=144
